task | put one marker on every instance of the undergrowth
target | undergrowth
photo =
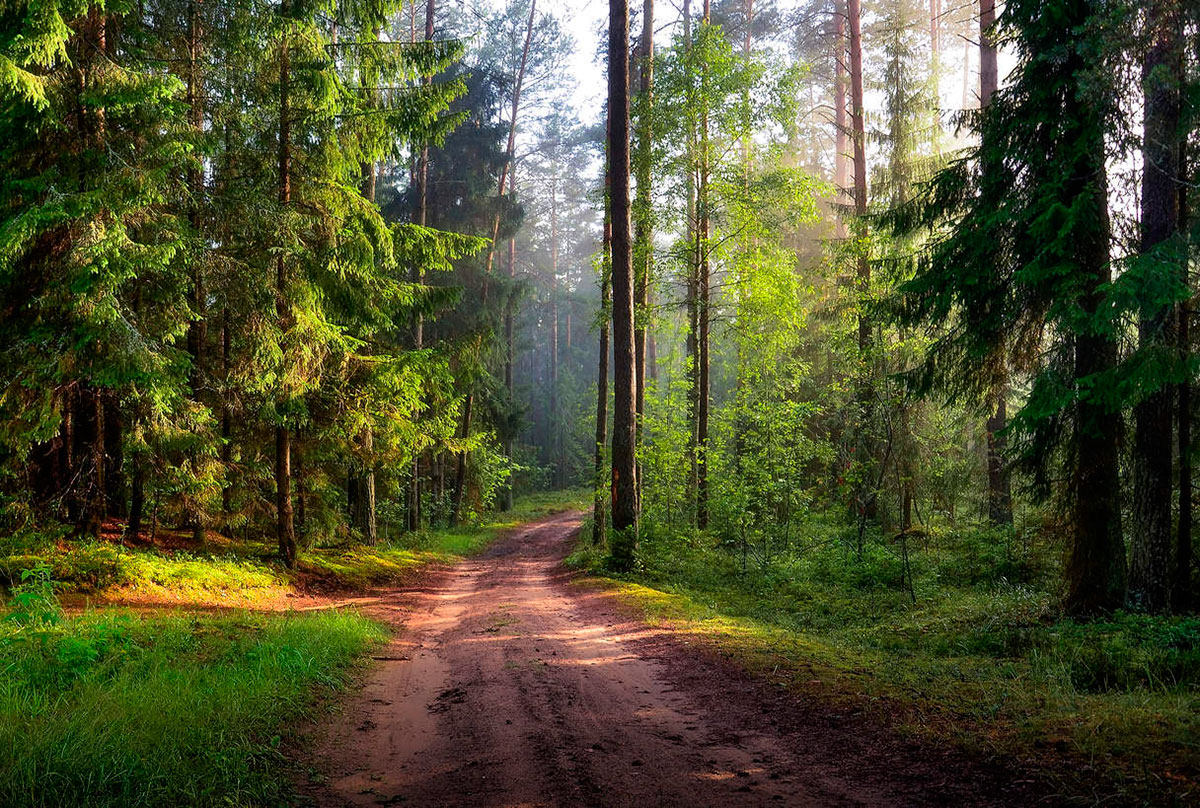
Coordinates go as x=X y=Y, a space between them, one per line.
x=966 y=642
x=246 y=573
x=116 y=709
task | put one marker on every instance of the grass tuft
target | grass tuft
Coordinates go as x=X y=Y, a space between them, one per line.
x=116 y=709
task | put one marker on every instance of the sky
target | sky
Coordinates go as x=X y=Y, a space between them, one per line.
x=582 y=20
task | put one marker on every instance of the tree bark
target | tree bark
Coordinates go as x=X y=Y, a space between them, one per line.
x=624 y=480
x=840 y=125
x=1000 y=510
x=867 y=495
x=643 y=240
x=703 y=313
x=1181 y=583
x=285 y=529
x=1096 y=569
x=226 y=419
x=556 y=443
x=460 y=473
x=418 y=277
x=598 y=511
x=1150 y=560
x=197 y=327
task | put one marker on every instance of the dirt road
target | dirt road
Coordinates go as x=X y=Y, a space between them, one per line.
x=509 y=687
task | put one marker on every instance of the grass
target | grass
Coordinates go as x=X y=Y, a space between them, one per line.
x=227 y=572
x=116 y=709
x=110 y=707
x=981 y=658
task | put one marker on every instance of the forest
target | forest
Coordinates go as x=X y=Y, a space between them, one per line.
x=850 y=340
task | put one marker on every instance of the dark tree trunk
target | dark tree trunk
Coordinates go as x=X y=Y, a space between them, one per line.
x=1000 y=510
x=999 y=484
x=285 y=529
x=418 y=276
x=703 y=313
x=624 y=480
x=555 y=420
x=867 y=494
x=1150 y=560
x=643 y=240
x=599 y=516
x=460 y=474
x=114 y=459
x=198 y=326
x=509 y=355
x=226 y=420
x=1181 y=584
x=1096 y=569
x=692 y=294
x=137 y=499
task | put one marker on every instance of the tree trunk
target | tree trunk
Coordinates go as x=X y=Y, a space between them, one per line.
x=867 y=495
x=643 y=240
x=197 y=327
x=1096 y=570
x=1181 y=584
x=226 y=420
x=460 y=474
x=285 y=529
x=841 y=127
x=418 y=277
x=366 y=503
x=692 y=294
x=598 y=510
x=999 y=482
x=555 y=421
x=624 y=480
x=137 y=500
x=704 y=204
x=1150 y=560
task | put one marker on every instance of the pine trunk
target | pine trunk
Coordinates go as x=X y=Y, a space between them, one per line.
x=599 y=516
x=703 y=313
x=285 y=529
x=1181 y=583
x=1096 y=569
x=643 y=240
x=1000 y=511
x=867 y=496
x=1150 y=559
x=840 y=125
x=624 y=480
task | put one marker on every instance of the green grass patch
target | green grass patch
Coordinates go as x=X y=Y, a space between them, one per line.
x=241 y=573
x=116 y=709
x=982 y=657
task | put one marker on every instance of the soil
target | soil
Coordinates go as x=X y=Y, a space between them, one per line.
x=508 y=686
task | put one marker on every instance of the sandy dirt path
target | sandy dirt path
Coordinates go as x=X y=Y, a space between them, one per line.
x=509 y=687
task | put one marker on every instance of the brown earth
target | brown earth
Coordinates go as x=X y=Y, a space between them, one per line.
x=509 y=687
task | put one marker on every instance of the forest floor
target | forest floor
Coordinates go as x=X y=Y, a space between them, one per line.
x=180 y=672
x=507 y=683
